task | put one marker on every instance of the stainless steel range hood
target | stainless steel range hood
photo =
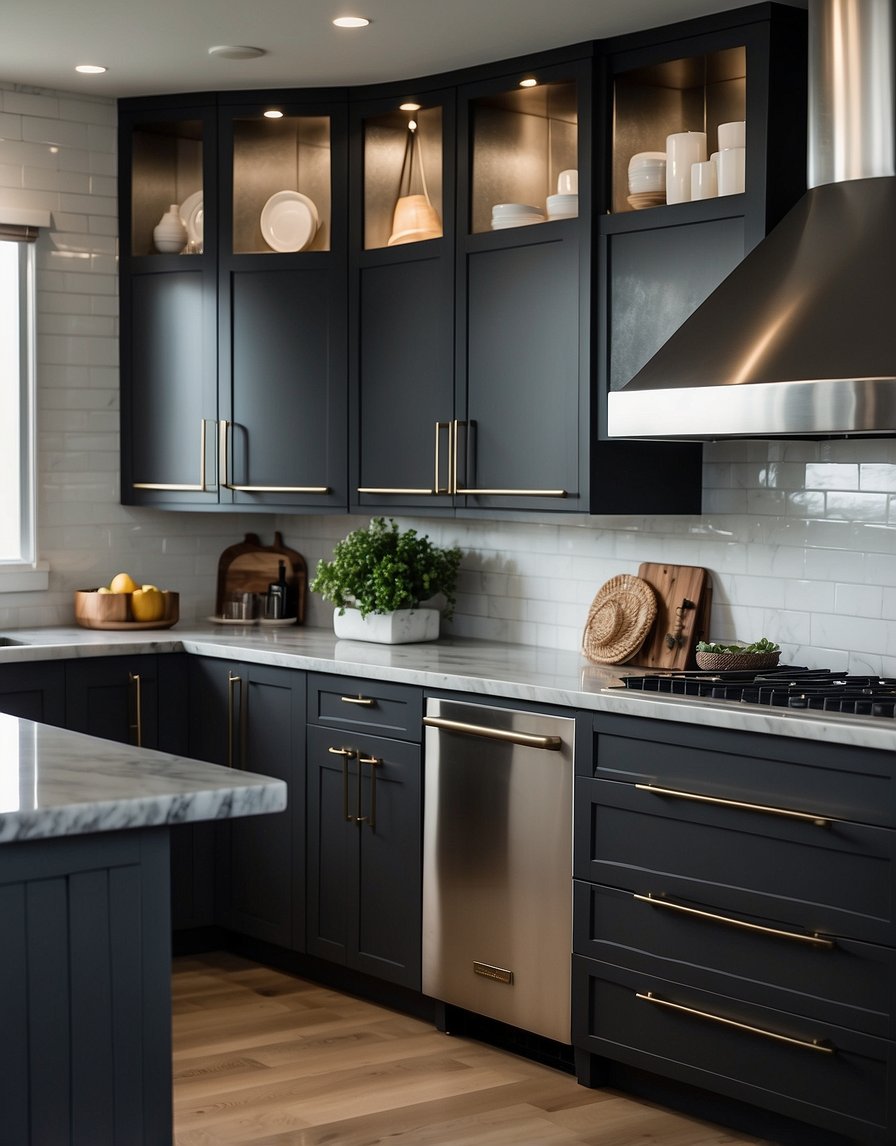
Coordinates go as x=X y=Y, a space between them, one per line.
x=800 y=339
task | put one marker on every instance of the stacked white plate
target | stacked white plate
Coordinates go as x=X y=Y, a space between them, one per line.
x=647 y=173
x=514 y=215
x=562 y=206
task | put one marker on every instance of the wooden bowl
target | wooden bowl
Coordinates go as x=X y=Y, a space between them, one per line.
x=727 y=662
x=95 y=610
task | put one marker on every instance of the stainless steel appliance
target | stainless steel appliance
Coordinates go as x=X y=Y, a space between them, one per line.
x=497 y=864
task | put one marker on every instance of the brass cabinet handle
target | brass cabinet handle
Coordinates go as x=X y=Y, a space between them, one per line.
x=819 y=1045
x=364 y=701
x=526 y=739
x=394 y=489
x=223 y=437
x=817 y=941
x=787 y=813
x=346 y=754
x=137 y=726
x=482 y=491
x=373 y=763
x=436 y=488
x=202 y=487
x=341 y=751
x=232 y=682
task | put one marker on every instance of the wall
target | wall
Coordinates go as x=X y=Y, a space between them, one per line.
x=800 y=538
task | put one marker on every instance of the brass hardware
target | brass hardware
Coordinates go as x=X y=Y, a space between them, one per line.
x=474 y=491
x=438 y=465
x=137 y=726
x=202 y=487
x=346 y=754
x=526 y=739
x=773 y=932
x=808 y=817
x=366 y=701
x=819 y=1045
x=341 y=751
x=223 y=435
x=389 y=489
x=499 y=974
x=232 y=682
x=374 y=763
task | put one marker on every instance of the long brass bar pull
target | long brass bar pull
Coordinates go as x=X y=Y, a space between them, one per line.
x=526 y=739
x=137 y=726
x=787 y=813
x=393 y=489
x=232 y=682
x=174 y=487
x=817 y=941
x=373 y=763
x=437 y=487
x=513 y=492
x=364 y=701
x=223 y=442
x=483 y=491
x=346 y=754
x=818 y=1045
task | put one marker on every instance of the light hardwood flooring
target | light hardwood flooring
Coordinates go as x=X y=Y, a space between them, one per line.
x=266 y=1058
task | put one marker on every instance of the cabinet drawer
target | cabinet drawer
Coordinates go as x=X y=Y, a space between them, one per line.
x=836 y=879
x=780 y=1060
x=839 y=981
x=836 y=780
x=356 y=703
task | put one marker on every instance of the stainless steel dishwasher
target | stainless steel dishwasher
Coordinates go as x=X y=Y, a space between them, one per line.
x=497 y=863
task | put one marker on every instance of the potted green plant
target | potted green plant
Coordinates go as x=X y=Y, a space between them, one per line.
x=378 y=578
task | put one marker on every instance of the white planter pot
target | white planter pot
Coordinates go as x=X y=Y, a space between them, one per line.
x=402 y=627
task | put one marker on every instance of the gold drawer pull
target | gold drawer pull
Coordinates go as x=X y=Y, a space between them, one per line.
x=341 y=751
x=773 y=932
x=808 y=817
x=202 y=487
x=513 y=492
x=364 y=701
x=396 y=489
x=137 y=726
x=526 y=739
x=819 y=1045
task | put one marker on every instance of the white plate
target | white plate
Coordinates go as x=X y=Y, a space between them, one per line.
x=191 y=213
x=277 y=620
x=289 y=221
x=232 y=620
x=519 y=221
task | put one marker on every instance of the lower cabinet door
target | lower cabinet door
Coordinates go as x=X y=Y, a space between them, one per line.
x=34 y=691
x=364 y=853
x=115 y=698
x=778 y=1060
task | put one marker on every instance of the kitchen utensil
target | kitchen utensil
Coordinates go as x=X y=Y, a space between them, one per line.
x=250 y=567
x=192 y=215
x=619 y=619
x=646 y=199
x=514 y=210
x=289 y=221
x=683 y=148
x=684 y=597
x=647 y=172
x=95 y=610
x=562 y=206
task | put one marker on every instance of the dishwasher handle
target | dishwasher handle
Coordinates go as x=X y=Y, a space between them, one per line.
x=526 y=739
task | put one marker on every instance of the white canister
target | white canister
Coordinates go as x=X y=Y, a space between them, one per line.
x=704 y=184
x=683 y=150
x=568 y=182
x=732 y=170
x=732 y=134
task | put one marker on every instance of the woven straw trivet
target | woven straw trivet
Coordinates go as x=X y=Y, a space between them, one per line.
x=619 y=619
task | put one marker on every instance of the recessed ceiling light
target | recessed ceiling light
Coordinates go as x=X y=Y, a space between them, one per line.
x=235 y=52
x=351 y=22
x=528 y=83
x=409 y=106
x=273 y=113
x=90 y=69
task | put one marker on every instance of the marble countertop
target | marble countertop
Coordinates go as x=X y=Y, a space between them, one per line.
x=59 y=783
x=488 y=668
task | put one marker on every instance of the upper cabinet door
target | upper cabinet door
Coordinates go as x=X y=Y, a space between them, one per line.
x=169 y=406
x=520 y=435
x=282 y=356
x=401 y=300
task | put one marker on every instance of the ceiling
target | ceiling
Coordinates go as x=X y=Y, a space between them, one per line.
x=151 y=48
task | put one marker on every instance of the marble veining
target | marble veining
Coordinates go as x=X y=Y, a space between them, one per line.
x=488 y=668
x=54 y=782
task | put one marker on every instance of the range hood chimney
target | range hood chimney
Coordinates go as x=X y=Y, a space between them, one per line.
x=800 y=339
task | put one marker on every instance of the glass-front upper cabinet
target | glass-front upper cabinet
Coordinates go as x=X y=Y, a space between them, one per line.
x=168 y=157
x=524 y=152
x=279 y=191
x=404 y=200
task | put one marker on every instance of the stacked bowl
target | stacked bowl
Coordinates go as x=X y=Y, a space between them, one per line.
x=514 y=215
x=562 y=206
x=647 y=179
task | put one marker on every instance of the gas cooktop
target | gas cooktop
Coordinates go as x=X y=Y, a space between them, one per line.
x=787 y=686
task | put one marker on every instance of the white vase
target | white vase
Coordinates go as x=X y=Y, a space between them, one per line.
x=401 y=627
x=170 y=234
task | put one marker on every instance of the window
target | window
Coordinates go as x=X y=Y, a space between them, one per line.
x=17 y=294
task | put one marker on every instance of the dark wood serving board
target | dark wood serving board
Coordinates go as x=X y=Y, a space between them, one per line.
x=683 y=603
x=249 y=567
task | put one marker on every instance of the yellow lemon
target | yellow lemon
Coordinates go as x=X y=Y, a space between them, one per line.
x=123 y=583
x=104 y=589
x=147 y=604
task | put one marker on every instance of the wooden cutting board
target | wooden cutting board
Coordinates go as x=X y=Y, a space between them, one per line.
x=683 y=600
x=249 y=567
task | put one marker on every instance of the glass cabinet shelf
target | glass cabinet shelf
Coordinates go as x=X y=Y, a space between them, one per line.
x=281 y=184
x=692 y=94
x=166 y=170
x=522 y=139
x=403 y=197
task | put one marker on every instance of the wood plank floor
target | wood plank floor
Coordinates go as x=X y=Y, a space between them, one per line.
x=266 y=1058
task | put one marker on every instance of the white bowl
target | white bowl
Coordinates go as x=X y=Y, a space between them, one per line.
x=647 y=179
x=517 y=221
x=562 y=206
x=647 y=159
x=506 y=210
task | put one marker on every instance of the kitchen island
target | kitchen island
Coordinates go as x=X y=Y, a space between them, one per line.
x=85 y=956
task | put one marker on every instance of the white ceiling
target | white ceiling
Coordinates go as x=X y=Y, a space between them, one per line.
x=155 y=46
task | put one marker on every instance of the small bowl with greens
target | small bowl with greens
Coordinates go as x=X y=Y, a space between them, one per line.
x=761 y=654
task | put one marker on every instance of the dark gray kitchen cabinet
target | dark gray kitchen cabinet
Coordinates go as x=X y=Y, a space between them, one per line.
x=34 y=691
x=734 y=925
x=252 y=717
x=116 y=698
x=365 y=829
